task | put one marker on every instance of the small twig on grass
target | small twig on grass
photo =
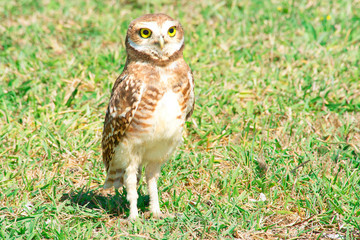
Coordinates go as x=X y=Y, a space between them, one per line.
x=302 y=164
x=301 y=222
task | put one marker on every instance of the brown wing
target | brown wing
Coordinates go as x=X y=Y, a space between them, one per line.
x=188 y=115
x=191 y=102
x=124 y=101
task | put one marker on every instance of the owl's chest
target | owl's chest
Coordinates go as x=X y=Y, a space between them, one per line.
x=168 y=119
x=158 y=135
x=161 y=113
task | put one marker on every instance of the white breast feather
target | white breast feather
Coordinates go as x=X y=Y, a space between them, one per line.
x=166 y=116
x=167 y=129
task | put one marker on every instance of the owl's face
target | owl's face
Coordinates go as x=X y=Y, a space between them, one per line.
x=155 y=37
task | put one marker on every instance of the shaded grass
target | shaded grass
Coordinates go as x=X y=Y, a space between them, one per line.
x=277 y=113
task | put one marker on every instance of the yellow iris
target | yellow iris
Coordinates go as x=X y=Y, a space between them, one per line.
x=172 y=31
x=145 y=33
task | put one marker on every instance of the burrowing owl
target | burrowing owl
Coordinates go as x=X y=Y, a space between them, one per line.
x=149 y=104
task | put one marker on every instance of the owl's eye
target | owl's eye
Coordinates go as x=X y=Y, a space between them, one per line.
x=172 y=31
x=145 y=33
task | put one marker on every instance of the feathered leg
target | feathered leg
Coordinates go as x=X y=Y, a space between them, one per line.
x=152 y=172
x=130 y=184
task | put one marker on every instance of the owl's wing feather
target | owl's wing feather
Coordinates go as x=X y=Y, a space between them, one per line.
x=125 y=98
x=190 y=112
x=191 y=102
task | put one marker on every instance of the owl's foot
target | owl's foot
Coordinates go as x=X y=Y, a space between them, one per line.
x=158 y=215
x=133 y=215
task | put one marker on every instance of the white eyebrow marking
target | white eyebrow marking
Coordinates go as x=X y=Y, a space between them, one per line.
x=167 y=24
x=150 y=25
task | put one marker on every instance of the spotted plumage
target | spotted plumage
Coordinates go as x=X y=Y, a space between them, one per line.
x=149 y=104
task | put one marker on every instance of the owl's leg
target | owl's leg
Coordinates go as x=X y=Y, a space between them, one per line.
x=132 y=195
x=152 y=172
x=138 y=176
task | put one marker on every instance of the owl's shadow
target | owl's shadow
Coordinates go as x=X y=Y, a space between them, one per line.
x=115 y=205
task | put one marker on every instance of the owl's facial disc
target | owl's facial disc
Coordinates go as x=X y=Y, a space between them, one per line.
x=166 y=38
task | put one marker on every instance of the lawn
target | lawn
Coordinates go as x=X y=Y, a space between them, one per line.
x=272 y=150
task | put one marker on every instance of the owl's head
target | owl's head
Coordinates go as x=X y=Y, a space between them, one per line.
x=155 y=37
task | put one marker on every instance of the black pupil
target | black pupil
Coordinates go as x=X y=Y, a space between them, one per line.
x=171 y=30
x=145 y=32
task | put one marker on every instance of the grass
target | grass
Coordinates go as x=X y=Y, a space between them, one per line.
x=277 y=115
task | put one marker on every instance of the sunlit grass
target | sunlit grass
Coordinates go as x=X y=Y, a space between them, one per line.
x=277 y=115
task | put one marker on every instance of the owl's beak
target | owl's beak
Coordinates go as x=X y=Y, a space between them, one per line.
x=161 y=42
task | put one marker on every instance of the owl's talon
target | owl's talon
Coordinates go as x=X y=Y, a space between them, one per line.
x=133 y=216
x=157 y=214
